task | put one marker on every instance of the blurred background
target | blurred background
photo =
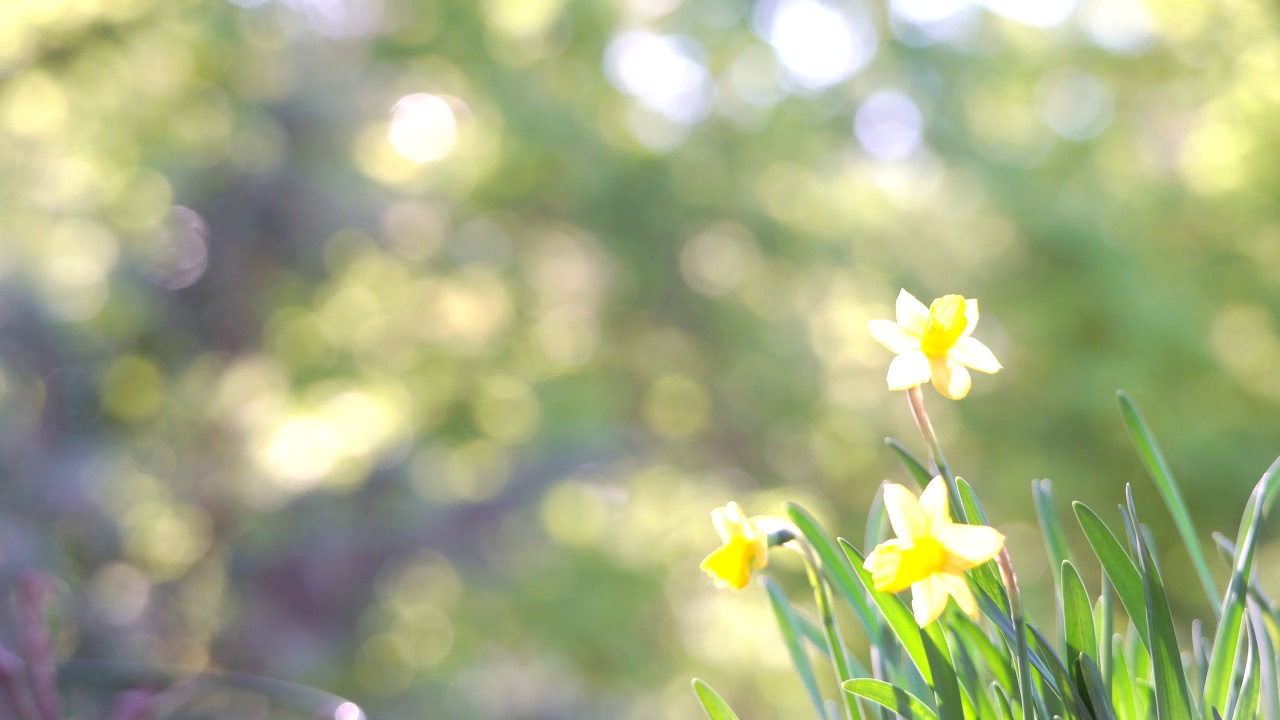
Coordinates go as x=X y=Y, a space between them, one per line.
x=402 y=347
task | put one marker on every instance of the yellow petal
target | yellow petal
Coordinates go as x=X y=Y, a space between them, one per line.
x=905 y=514
x=928 y=600
x=972 y=353
x=970 y=316
x=949 y=379
x=912 y=314
x=968 y=546
x=893 y=336
x=958 y=587
x=885 y=565
x=730 y=564
x=934 y=503
x=908 y=370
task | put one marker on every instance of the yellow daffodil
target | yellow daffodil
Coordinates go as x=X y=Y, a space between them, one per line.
x=933 y=343
x=931 y=552
x=745 y=548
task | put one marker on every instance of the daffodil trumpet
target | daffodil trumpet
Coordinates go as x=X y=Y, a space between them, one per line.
x=930 y=553
x=745 y=544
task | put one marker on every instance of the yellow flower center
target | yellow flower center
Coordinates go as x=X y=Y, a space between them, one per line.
x=946 y=324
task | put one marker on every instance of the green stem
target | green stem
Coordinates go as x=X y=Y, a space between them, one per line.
x=835 y=643
x=1020 y=630
x=937 y=462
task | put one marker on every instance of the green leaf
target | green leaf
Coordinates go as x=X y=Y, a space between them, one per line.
x=1122 y=691
x=1173 y=698
x=1117 y=565
x=894 y=698
x=1095 y=688
x=1077 y=619
x=1067 y=693
x=1223 y=658
x=791 y=635
x=986 y=575
x=917 y=469
x=1263 y=625
x=1054 y=539
x=836 y=566
x=1156 y=466
x=995 y=659
x=1002 y=702
x=716 y=707
x=1244 y=703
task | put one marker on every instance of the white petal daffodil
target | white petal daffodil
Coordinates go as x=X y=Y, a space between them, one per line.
x=931 y=553
x=934 y=343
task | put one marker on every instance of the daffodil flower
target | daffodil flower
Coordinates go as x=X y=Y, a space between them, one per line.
x=745 y=548
x=933 y=343
x=931 y=552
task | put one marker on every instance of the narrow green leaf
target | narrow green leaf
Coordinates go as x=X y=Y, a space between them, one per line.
x=1122 y=692
x=995 y=659
x=969 y=670
x=1223 y=658
x=836 y=567
x=986 y=575
x=1077 y=619
x=1145 y=698
x=795 y=646
x=1104 y=617
x=896 y=699
x=1244 y=701
x=1070 y=698
x=917 y=469
x=1095 y=690
x=1117 y=565
x=1173 y=698
x=1270 y=687
x=1156 y=466
x=1054 y=539
x=716 y=707
x=1002 y=702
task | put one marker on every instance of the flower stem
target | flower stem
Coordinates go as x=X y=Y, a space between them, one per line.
x=835 y=643
x=1020 y=630
x=937 y=462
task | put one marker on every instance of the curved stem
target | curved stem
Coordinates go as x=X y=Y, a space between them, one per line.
x=1020 y=629
x=937 y=462
x=835 y=643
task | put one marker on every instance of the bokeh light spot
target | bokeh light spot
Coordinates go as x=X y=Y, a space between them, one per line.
x=676 y=406
x=888 y=125
x=423 y=127
x=663 y=72
x=817 y=43
x=1075 y=105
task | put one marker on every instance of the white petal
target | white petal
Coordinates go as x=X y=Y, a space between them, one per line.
x=970 y=316
x=968 y=546
x=913 y=315
x=974 y=354
x=905 y=514
x=935 y=505
x=908 y=370
x=958 y=587
x=891 y=335
x=950 y=379
x=928 y=600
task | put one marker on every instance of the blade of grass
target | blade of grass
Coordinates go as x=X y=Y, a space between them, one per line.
x=986 y=575
x=836 y=567
x=918 y=471
x=1095 y=690
x=1055 y=540
x=1223 y=657
x=1173 y=698
x=896 y=699
x=1077 y=620
x=1244 y=702
x=712 y=703
x=791 y=635
x=1070 y=698
x=1122 y=694
x=1117 y=565
x=1156 y=466
x=1002 y=702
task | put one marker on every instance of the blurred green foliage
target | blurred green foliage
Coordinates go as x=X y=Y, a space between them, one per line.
x=401 y=347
